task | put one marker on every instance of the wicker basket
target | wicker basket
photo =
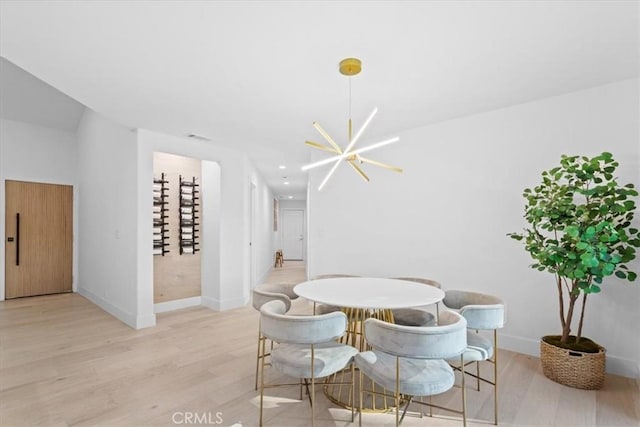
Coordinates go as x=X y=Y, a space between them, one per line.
x=573 y=368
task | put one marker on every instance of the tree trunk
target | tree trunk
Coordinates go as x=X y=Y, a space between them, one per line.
x=560 y=300
x=584 y=303
x=566 y=329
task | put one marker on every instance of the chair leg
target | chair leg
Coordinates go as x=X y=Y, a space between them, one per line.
x=313 y=386
x=477 y=375
x=361 y=399
x=353 y=391
x=262 y=384
x=258 y=355
x=495 y=376
x=406 y=408
x=397 y=392
x=464 y=394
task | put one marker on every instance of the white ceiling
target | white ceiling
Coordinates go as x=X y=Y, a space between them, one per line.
x=255 y=75
x=26 y=98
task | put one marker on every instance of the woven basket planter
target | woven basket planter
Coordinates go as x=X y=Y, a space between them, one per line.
x=573 y=368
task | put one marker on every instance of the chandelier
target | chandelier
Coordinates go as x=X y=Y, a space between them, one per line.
x=352 y=156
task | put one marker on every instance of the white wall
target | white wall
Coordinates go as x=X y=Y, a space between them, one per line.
x=39 y=154
x=447 y=215
x=210 y=249
x=108 y=267
x=263 y=227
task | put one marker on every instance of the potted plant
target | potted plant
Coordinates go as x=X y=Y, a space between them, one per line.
x=580 y=230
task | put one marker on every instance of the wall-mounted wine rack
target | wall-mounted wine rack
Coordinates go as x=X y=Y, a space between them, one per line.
x=160 y=224
x=189 y=203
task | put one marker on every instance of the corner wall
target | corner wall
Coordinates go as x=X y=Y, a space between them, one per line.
x=446 y=217
x=107 y=161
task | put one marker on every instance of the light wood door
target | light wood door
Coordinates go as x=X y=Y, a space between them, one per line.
x=39 y=239
x=293 y=234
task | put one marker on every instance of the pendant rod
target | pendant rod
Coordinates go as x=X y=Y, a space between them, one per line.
x=350 y=125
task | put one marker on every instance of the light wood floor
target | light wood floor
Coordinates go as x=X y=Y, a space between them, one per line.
x=63 y=361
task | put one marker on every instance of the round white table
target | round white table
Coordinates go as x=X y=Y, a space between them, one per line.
x=362 y=298
x=369 y=292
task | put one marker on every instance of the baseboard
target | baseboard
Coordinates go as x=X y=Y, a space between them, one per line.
x=218 y=305
x=614 y=365
x=146 y=321
x=623 y=367
x=163 y=307
x=263 y=277
x=127 y=318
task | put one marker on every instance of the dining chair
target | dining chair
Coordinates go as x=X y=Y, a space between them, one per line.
x=410 y=360
x=307 y=348
x=262 y=294
x=416 y=316
x=483 y=312
x=326 y=308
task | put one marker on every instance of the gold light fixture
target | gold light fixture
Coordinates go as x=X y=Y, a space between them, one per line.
x=349 y=67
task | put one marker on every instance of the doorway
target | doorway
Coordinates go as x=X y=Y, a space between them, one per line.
x=39 y=243
x=293 y=234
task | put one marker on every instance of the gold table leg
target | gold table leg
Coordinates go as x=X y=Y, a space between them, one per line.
x=336 y=386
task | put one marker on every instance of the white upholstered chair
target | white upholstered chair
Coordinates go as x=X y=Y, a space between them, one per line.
x=410 y=360
x=262 y=294
x=416 y=316
x=307 y=348
x=483 y=313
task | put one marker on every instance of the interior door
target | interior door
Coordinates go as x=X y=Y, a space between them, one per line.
x=293 y=234
x=39 y=243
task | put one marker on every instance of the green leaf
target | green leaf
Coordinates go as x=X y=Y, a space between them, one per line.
x=572 y=230
x=621 y=274
x=608 y=269
x=631 y=276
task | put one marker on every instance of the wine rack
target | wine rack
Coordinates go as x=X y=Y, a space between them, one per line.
x=189 y=204
x=160 y=230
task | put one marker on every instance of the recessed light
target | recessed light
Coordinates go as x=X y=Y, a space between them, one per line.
x=282 y=167
x=286 y=183
x=290 y=197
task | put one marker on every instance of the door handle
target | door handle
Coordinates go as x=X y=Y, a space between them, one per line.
x=17 y=239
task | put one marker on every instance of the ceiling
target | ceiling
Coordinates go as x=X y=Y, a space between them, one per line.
x=255 y=75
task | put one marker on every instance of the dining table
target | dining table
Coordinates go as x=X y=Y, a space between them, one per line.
x=361 y=298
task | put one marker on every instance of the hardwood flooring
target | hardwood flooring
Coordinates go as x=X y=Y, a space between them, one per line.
x=63 y=361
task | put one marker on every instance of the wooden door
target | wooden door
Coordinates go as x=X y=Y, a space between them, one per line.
x=39 y=239
x=293 y=234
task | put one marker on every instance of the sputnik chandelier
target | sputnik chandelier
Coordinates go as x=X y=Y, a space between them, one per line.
x=348 y=67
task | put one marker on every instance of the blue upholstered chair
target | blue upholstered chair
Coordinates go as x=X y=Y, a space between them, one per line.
x=416 y=316
x=262 y=294
x=410 y=360
x=483 y=313
x=307 y=348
